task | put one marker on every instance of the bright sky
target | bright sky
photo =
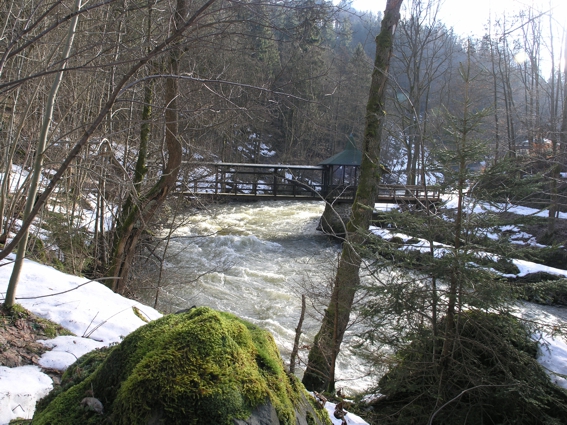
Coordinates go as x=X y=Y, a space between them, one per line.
x=470 y=16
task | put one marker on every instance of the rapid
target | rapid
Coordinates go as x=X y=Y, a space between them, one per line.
x=255 y=260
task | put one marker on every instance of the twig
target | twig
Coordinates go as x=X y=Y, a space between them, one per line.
x=459 y=395
x=64 y=292
x=5 y=264
x=90 y=323
x=87 y=335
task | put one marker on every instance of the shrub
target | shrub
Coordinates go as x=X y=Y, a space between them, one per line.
x=492 y=378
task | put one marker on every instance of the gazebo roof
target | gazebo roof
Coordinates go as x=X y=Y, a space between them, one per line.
x=350 y=156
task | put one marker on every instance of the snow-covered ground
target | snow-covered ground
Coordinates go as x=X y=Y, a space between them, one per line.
x=553 y=351
x=472 y=205
x=524 y=267
x=90 y=310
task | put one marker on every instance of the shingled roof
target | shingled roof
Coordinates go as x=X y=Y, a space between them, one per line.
x=350 y=156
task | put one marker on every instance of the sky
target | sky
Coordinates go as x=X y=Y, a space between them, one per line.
x=470 y=16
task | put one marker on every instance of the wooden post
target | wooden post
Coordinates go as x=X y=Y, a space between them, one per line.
x=217 y=180
x=275 y=189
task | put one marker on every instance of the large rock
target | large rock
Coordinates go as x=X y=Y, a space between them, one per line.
x=334 y=219
x=199 y=367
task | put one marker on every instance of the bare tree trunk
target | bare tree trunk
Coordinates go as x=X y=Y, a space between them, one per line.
x=129 y=231
x=38 y=162
x=293 y=356
x=562 y=155
x=322 y=356
x=85 y=137
x=493 y=52
x=558 y=158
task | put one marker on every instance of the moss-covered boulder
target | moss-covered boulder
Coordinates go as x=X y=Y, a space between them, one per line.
x=198 y=367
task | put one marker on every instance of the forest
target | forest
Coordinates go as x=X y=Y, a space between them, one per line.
x=104 y=104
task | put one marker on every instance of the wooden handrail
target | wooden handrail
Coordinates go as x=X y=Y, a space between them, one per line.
x=291 y=182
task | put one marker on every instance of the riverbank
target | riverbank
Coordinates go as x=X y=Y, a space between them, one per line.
x=95 y=315
x=272 y=262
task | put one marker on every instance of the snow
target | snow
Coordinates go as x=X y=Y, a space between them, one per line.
x=525 y=267
x=517 y=236
x=473 y=206
x=266 y=151
x=65 y=350
x=350 y=418
x=553 y=350
x=17 y=178
x=553 y=357
x=481 y=207
x=20 y=388
x=100 y=317
x=91 y=311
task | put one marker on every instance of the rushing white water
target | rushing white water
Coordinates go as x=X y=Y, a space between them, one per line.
x=255 y=260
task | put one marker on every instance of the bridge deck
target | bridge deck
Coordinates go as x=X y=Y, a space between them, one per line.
x=284 y=182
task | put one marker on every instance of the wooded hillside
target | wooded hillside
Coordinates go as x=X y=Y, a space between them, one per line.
x=148 y=84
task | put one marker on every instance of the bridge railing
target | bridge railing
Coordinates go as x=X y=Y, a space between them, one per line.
x=287 y=182
x=409 y=193
x=255 y=180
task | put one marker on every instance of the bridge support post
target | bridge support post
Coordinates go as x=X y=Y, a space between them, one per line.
x=334 y=219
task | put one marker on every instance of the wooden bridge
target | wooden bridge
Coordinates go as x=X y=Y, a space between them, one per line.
x=298 y=182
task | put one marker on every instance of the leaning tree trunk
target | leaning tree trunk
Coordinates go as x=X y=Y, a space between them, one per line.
x=320 y=373
x=137 y=215
x=38 y=161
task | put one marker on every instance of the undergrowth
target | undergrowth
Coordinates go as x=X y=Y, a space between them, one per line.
x=492 y=378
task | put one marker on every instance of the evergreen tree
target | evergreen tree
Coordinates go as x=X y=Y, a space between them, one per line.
x=460 y=356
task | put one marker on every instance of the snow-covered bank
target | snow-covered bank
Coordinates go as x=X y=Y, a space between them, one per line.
x=421 y=245
x=102 y=317
x=91 y=311
x=474 y=206
x=553 y=350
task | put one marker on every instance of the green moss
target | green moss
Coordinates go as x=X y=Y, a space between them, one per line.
x=199 y=367
x=320 y=413
x=140 y=315
x=76 y=373
x=41 y=327
x=17 y=309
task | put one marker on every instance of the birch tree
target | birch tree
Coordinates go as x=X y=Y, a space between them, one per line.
x=38 y=163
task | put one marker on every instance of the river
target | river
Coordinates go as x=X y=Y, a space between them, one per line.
x=256 y=260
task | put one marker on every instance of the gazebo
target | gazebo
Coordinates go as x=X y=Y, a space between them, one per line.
x=340 y=175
